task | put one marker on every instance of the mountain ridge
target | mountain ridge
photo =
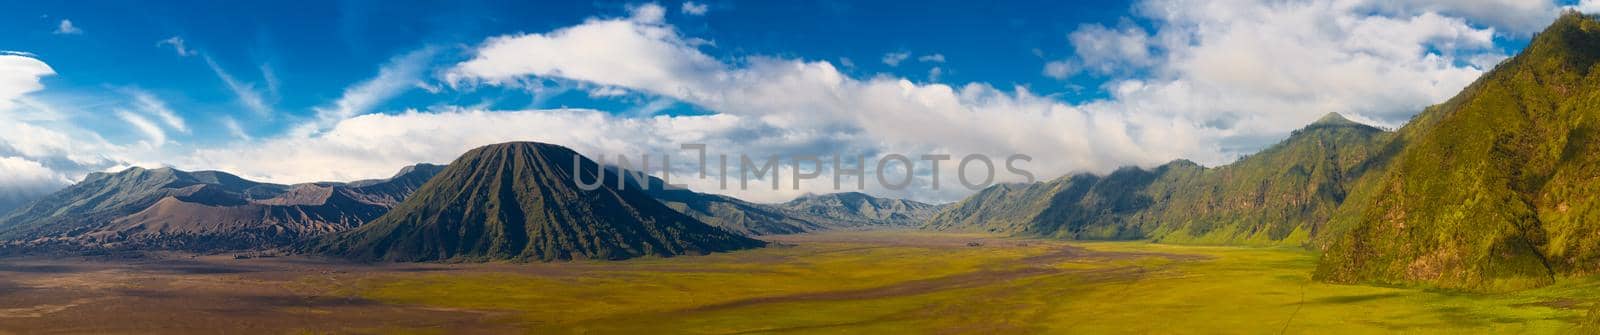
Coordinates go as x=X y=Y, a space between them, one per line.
x=1268 y=198
x=201 y=211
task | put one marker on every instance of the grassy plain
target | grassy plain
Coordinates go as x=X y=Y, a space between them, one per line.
x=835 y=283
x=912 y=282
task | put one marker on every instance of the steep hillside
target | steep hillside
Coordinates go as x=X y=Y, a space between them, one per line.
x=1279 y=196
x=522 y=201
x=1496 y=188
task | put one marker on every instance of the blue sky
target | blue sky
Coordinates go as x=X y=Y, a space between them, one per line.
x=305 y=91
x=303 y=55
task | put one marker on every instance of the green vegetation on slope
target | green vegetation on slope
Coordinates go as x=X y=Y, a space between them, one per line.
x=1276 y=197
x=1495 y=189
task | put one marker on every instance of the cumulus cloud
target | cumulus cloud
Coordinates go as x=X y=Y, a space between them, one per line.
x=933 y=58
x=22 y=180
x=1519 y=17
x=647 y=13
x=817 y=107
x=1226 y=67
x=66 y=28
x=1105 y=51
x=694 y=8
x=1059 y=69
x=1587 y=6
x=39 y=150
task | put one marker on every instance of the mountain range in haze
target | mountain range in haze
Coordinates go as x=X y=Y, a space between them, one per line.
x=209 y=211
x=170 y=209
x=810 y=212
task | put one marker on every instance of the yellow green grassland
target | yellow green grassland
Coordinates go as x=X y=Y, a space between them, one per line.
x=912 y=282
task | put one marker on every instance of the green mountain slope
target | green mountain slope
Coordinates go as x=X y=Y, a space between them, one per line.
x=1279 y=196
x=522 y=201
x=1496 y=188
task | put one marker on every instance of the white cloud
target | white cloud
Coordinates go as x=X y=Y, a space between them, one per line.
x=1104 y=50
x=177 y=46
x=935 y=73
x=151 y=131
x=20 y=74
x=66 y=28
x=400 y=74
x=149 y=104
x=694 y=8
x=607 y=91
x=245 y=92
x=819 y=108
x=22 y=180
x=1587 y=6
x=42 y=147
x=894 y=58
x=233 y=127
x=271 y=79
x=614 y=52
x=933 y=58
x=1060 y=69
x=647 y=13
x=1245 y=72
x=1519 y=17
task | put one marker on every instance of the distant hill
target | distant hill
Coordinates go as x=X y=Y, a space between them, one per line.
x=522 y=201
x=728 y=213
x=850 y=210
x=205 y=211
x=1279 y=196
x=859 y=210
